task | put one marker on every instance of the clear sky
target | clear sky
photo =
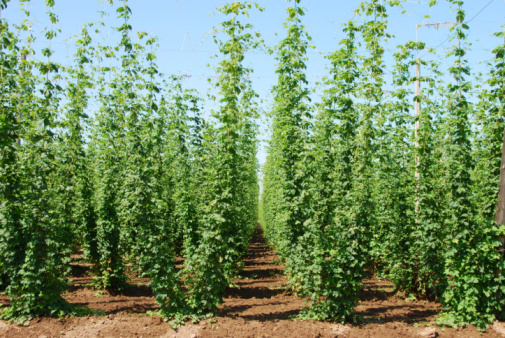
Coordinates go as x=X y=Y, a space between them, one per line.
x=186 y=47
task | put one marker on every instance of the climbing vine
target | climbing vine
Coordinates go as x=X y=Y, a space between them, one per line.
x=392 y=171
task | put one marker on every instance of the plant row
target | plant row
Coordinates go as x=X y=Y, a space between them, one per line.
x=110 y=160
x=361 y=182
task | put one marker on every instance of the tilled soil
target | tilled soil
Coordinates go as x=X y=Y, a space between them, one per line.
x=258 y=306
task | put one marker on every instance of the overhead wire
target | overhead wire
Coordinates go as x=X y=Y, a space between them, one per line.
x=471 y=19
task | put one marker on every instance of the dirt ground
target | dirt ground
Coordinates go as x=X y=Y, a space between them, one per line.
x=257 y=307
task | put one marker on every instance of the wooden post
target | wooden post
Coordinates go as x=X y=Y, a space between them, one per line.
x=21 y=73
x=499 y=216
x=417 y=105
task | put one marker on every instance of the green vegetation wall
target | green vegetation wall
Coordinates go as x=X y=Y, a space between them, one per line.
x=129 y=182
x=388 y=166
x=383 y=178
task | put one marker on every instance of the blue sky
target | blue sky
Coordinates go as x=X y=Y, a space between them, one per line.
x=185 y=47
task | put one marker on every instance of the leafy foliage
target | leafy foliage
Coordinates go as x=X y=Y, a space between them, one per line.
x=377 y=187
x=229 y=171
x=117 y=163
x=285 y=188
x=35 y=242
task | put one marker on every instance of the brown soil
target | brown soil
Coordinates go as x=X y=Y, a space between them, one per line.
x=258 y=306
